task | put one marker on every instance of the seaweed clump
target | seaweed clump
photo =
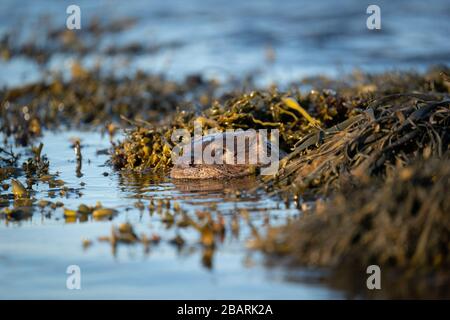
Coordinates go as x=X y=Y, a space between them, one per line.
x=392 y=130
x=401 y=223
x=318 y=117
x=148 y=146
x=384 y=173
x=91 y=99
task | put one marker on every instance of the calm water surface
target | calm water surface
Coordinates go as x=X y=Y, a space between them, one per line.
x=35 y=253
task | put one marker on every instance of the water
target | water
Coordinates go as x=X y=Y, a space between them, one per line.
x=229 y=38
x=35 y=253
x=219 y=39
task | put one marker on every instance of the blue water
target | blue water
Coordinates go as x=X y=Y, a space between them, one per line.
x=35 y=253
x=229 y=38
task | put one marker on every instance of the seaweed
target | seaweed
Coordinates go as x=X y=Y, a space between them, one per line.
x=391 y=130
x=148 y=146
x=92 y=100
x=400 y=223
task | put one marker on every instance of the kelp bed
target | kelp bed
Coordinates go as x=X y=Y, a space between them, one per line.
x=90 y=99
x=377 y=151
x=149 y=144
x=400 y=223
x=375 y=147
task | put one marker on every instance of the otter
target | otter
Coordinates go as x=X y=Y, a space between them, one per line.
x=225 y=155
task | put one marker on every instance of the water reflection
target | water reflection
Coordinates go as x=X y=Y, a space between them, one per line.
x=193 y=226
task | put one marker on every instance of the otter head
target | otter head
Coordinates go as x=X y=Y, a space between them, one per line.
x=224 y=155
